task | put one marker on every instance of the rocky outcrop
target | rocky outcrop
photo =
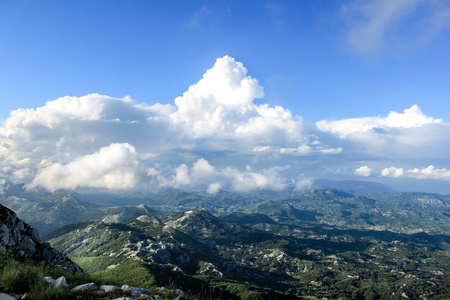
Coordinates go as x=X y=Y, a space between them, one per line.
x=20 y=239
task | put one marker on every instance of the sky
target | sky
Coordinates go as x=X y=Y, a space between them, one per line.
x=224 y=95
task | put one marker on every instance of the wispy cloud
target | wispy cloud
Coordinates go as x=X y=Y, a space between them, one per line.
x=378 y=24
x=276 y=13
x=209 y=14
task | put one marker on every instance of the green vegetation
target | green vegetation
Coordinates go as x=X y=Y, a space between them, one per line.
x=18 y=277
x=322 y=243
x=205 y=255
x=131 y=272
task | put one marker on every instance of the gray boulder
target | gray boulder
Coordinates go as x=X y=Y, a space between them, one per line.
x=61 y=283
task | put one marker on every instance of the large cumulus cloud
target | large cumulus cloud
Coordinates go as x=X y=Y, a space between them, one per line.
x=214 y=136
x=109 y=142
x=114 y=167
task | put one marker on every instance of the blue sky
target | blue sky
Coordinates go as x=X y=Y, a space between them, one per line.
x=352 y=62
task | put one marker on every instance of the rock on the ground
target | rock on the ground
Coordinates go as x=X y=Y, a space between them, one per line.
x=48 y=280
x=60 y=283
x=108 y=288
x=84 y=287
x=133 y=290
x=6 y=297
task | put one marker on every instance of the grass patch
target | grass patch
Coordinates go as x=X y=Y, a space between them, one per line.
x=18 y=277
x=131 y=272
x=91 y=264
x=44 y=291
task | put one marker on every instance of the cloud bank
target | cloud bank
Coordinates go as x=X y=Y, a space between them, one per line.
x=214 y=136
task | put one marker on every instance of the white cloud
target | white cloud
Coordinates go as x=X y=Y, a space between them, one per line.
x=301 y=150
x=202 y=168
x=331 y=150
x=245 y=181
x=302 y=183
x=430 y=172
x=392 y=172
x=214 y=188
x=364 y=171
x=200 y=173
x=407 y=135
x=377 y=24
x=112 y=167
x=272 y=125
x=411 y=117
x=86 y=108
x=203 y=141
x=203 y=174
x=223 y=96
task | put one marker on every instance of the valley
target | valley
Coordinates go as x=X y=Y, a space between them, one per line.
x=320 y=243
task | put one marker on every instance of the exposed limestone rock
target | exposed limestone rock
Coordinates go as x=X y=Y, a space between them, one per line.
x=149 y=219
x=84 y=287
x=21 y=239
x=134 y=290
x=61 y=283
x=49 y=280
x=6 y=297
x=108 y=288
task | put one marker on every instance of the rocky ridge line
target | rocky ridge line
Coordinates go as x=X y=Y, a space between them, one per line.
x=19 y=238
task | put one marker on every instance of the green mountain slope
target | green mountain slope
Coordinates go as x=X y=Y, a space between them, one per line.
x=263 y=258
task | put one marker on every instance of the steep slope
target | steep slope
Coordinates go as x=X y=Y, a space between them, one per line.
x=20 y=239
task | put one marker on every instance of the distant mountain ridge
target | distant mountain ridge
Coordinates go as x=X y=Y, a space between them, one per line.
x=427 y=199
x=58 y=209
x=48 y=211
x=354 y=186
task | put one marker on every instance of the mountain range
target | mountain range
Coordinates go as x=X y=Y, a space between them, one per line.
x=323 y=242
